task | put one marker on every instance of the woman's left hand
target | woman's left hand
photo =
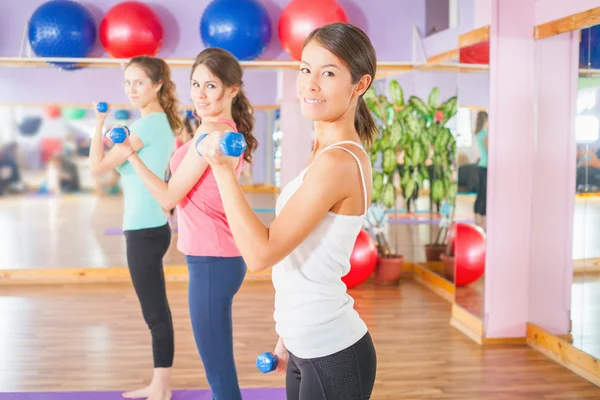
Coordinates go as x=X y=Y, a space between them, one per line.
x=210 y=149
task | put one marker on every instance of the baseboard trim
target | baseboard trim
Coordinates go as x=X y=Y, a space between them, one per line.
x=564 y=353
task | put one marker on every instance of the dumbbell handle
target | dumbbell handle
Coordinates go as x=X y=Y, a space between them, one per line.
x=102 y=107
x=266 y=362
x=118 y=134
x=233 y=144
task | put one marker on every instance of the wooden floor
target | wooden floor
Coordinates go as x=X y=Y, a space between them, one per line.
x=92 y=337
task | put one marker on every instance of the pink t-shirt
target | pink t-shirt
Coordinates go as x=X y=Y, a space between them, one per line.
x=203 y=227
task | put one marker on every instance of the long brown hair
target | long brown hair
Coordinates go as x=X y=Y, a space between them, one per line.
x=224 y=66
x=159 y=72
x=354 y=48
x=482 y=117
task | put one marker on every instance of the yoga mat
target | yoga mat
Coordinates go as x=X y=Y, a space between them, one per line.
x=247 y=394
x=113 y=231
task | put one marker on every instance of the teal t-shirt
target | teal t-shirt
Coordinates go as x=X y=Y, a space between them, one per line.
x=483 y=159
x=142 y=210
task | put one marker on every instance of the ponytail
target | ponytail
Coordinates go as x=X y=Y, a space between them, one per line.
x=364 y=123
x=242 y=113
x=167 y=98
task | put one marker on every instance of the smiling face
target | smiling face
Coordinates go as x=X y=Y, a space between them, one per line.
x=139 y=87
x=324 y=84
x=210 y=96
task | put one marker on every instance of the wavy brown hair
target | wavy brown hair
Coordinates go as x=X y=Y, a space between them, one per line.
x=159 y=72
x=224 y=66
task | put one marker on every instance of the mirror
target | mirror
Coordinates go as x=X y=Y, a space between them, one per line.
x=472 y=166
x=585 y=291
x=51 y=201
x=414 y=159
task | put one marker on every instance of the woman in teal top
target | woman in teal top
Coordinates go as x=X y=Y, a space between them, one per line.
x=149 y=86
x=481 y=136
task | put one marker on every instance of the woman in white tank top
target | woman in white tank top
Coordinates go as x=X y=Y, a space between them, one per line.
x=324 y=346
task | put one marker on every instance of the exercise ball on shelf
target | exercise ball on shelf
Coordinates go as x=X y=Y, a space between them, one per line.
x=131 y=29
x=478 y=53
x=73 y=113
x=62 y=28
x=589 y=48
x=242 y=27
x=300 y=17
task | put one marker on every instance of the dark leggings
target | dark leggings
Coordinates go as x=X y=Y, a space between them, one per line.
x=213 y=283
x=346 y=375
x=145 y=251
x=480 y=206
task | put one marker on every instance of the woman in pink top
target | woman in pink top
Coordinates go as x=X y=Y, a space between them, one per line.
x=216 y=268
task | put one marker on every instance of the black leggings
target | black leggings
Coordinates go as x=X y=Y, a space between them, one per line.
x=145 y=251
x=346 y=375
x=480 y=206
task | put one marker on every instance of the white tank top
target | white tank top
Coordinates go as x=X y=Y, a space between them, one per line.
x=314 y=315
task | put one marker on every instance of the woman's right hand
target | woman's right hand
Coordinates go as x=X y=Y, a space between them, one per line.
x=282 y=356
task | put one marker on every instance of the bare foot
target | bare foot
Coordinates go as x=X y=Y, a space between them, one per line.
x=159 y=388
x=138 y=394
x=161 y=395
x=150 y=393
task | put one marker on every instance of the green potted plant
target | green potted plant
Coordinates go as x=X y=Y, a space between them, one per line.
x=443 y=185
x=407 y=128
x=399 y=132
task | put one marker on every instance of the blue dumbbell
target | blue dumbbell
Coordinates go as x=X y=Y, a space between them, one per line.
x=233 y=144
x=102 y=107
x=266 y=362
x=118 y=134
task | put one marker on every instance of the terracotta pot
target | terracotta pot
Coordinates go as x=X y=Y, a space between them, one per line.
x=388 y=270
x=434 y=251
x=448 y=267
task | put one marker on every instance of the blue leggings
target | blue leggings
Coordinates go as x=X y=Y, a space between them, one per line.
x=213 y=283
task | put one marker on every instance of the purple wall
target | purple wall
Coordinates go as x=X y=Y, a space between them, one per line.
x=474 y=89
x=466 y=15
x=389 y=23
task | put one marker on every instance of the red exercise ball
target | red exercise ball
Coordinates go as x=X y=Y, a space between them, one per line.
x=476 y=54
x=362 y=260
x=301 y=17
x=131 y=29
x=52 y=112
x=469 y=256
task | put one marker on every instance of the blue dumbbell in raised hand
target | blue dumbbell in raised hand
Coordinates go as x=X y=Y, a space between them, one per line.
x=102 y=107
x=233 y=144
x=266 y=362
x=118 y=134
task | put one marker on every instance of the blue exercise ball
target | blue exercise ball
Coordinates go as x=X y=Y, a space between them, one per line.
x=589 y=48
x=121 y=115
x=62 y=28
x=242 y=27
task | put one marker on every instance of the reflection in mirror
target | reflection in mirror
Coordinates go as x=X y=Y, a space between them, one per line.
x=585 y=294
x=51 y=202
x=417 y=162
x=471 y=200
